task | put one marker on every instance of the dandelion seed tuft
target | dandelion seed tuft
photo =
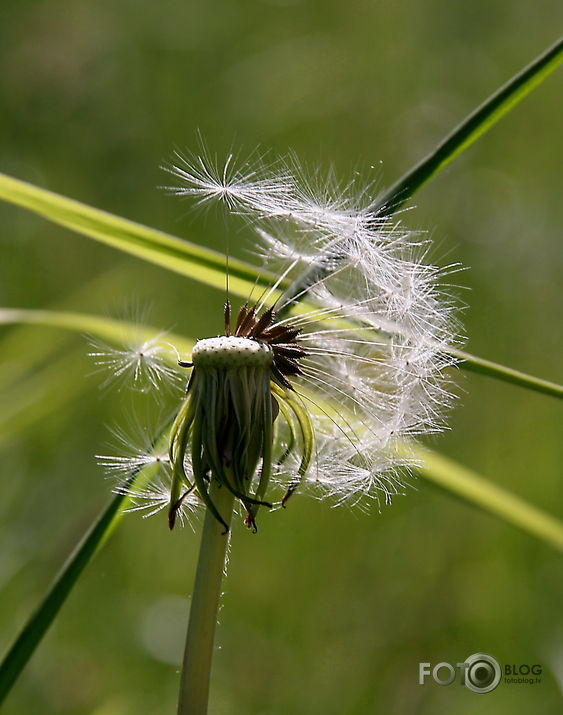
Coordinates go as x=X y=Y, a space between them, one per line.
x=142 y=365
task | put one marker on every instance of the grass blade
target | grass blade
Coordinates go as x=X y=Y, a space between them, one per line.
x=507 y=374
x=32 y=633
x=436 y=468
x=474 y=126
x=466 y=484
x=208 y=266
x=94 y=538
x=104 y=328
x=165 y=250
x=23 y=350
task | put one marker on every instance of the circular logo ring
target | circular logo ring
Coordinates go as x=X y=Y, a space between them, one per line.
x=482 y=673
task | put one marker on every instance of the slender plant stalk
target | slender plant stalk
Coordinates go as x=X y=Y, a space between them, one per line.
x=196 y=669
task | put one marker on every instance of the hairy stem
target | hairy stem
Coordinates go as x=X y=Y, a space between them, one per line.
x=196 y=669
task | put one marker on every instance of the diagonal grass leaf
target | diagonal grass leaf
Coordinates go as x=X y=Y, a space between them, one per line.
x=474 y=489
x=41 y=619
x=170 y=252
x=474 y=126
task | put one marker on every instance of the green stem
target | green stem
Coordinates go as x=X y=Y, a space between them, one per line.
x=196 y=669
x=508 y=374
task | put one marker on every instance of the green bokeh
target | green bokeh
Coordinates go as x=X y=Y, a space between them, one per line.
x=325 y=610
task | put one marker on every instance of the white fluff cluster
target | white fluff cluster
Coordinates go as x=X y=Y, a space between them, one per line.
x=141 y=364
x=377 y=326
x=140 y=455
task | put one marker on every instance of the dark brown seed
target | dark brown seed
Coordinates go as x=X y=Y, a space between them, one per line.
x=263 y=323
x=243 y=312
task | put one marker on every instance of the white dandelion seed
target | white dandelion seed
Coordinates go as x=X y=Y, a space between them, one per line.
x=326 y=395
x=136 y=451
x=142 y=365
x=155 y=498
x=139 y=455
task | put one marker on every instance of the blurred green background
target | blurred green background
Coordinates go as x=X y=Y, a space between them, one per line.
x=325 y=610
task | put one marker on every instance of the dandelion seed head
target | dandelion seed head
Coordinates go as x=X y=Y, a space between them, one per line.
x=388 y=369
x=377 y=339
x=325 y=397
